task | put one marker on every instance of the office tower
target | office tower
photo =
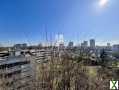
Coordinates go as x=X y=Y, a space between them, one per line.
x=82 y=44
x=108 y=44
x=59 y=39
x=92 y=43
x=116 y=48
x=108 y=47
x=70 y=45
x=85 y=43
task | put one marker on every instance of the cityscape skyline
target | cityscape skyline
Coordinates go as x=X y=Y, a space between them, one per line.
x=59 y=38
x=60 y=41
x=78 y=20
x=59 y=44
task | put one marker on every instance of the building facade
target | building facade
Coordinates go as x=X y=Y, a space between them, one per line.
x=15 y=73
x=92 y=43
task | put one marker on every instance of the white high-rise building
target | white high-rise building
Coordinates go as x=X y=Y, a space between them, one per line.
x=59 y=39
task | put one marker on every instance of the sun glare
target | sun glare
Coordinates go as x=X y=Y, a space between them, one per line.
x=103 y=3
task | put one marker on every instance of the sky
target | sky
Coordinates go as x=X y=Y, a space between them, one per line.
x=29 y=20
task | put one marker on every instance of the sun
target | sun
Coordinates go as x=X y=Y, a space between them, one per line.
x=103 y=3
x=100 y=6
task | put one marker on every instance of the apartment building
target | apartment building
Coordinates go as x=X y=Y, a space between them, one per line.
x=16 y=73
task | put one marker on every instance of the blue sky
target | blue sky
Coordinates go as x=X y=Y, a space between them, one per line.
x=78 y=20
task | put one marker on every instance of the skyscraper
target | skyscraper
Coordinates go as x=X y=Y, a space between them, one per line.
x=108 y=44
x=59 y=39
x=70 y=44
x=92 y=43
x=116 y=48
x=108 y=47
x=85 y=43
